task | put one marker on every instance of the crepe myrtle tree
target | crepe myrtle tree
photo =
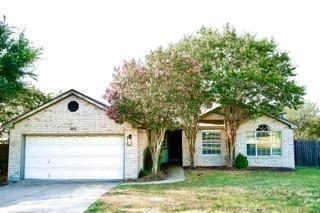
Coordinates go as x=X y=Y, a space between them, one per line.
x=248 y=76
x=148 y=94
x=191 y=94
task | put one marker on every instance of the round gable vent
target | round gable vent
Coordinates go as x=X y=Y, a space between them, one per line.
x=73 y=106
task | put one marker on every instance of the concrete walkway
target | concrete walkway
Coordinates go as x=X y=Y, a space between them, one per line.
x=50 y=196
x=175 y=174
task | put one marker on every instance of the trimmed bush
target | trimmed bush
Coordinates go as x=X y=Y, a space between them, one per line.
x=143 y=173
x=147 y=160
x=241 y=161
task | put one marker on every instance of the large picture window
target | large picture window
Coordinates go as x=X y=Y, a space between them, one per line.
x=211 y=142
x=263 y=142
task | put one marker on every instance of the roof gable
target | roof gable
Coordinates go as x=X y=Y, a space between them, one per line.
x=53 y=101
x=214 y=111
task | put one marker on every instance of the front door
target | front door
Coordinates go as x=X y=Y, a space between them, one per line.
x=175 y=146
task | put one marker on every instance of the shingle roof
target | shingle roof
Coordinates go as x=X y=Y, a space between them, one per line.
x=54 y=100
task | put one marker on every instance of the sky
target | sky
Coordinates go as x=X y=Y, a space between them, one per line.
x=83 y=41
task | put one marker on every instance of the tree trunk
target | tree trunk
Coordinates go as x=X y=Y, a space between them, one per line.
x=232 y=119
x=156 y=138
x=191 y=134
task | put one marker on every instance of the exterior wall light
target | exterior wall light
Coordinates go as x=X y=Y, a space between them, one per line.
x=129 y=140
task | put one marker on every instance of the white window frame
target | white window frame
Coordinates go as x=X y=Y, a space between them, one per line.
x=205 y=131
x=271 y=142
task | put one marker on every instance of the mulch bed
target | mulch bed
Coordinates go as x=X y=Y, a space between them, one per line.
x=162 y=175
x=224 y=168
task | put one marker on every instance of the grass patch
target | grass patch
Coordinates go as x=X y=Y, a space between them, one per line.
x=231 y=191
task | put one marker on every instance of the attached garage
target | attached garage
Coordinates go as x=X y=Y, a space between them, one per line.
x=71 y=138
x=74 y=157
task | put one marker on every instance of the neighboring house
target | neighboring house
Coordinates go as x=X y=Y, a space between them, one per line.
x=71 y=137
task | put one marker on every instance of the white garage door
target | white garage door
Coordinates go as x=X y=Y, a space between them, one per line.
x=74 y=157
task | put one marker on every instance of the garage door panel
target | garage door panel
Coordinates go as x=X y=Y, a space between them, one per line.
x=88 y=150
x=94 y=173
x=113 y=162
x=36 y=162
x=74 y=157
x=37 y=173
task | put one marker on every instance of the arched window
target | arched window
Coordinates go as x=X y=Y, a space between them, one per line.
x=263 y=127
x=263 y=141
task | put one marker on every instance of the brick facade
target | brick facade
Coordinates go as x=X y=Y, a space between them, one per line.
x=56 y=119
x=286 y=159
x=142 y=145
x=200 y=159
x=91 y=120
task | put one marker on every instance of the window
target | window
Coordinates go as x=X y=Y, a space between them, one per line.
x=263 y=142
x=73 y=106
x=263 y=127
x=211 y=142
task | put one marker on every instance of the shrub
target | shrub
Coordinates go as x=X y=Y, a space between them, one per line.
x=241 y=161
x=143 y=173
x=147 y=163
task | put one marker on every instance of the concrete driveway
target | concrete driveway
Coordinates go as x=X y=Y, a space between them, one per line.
x=36 y=196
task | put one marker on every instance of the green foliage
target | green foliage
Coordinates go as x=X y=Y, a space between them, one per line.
x=246 y=75
x=154 y=93
x=187 y=89
x=17 y=57
x=251 y=73
x=307 y=117
x=143 y=173
x=151 y=94
x=29 y=99
x=147 y=163
x=241 y=161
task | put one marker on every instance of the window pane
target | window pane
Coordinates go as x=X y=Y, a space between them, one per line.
x=250 y=137
x=263 y=127
x=263 y=143
x=251 y=149
x=276 y=143
x=211 y=143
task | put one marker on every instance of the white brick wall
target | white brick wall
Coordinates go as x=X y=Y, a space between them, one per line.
x=285 y=160
x=200 y=159
x=143 y=144
x=287 y=157
x=57 y=120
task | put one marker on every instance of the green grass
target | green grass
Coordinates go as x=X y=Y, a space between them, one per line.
x=226 y=191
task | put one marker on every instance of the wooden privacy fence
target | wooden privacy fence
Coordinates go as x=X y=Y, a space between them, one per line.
x=4 y=152
x=307 y=153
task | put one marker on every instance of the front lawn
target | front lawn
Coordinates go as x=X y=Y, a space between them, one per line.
x=232 y=191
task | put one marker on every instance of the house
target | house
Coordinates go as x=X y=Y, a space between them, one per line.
x=70 y=137
x=266 y=141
